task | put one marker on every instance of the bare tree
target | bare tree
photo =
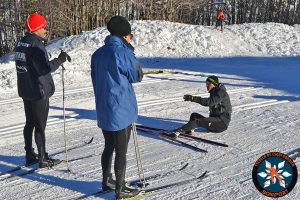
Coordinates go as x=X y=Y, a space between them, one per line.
x=68 y=17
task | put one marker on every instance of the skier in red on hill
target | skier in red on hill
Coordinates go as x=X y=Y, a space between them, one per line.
x=220 y=19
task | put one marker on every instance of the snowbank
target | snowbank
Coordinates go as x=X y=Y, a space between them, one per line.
x=166 y=39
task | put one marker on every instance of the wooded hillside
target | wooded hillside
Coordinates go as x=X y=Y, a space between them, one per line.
x=69 y=17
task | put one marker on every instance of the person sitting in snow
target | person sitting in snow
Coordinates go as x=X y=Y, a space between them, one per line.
x=114 y=68
x=219 y=107
x=220 y=19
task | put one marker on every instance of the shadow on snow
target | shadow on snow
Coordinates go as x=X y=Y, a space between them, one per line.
x=84 y=187
x=164 y=123
x=279 y=73
x=91 y=115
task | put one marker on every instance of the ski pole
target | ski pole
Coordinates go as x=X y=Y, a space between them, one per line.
x=64 y=115
x=138 y=157
x=136 y=153
x=64 y=110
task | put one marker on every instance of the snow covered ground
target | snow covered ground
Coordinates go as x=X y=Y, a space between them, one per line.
x=259 y=65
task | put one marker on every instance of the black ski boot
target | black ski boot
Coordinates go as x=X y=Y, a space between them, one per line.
x=31 y=157
x=47 y=161
x=176 y=133
x=189 y=132
x=109 y=184
x=127 y=192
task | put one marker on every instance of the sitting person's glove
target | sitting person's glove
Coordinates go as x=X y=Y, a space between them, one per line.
x=188 y=97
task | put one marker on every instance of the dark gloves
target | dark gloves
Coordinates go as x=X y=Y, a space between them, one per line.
x=140 y=72
x=188 y=97
x=63 y=56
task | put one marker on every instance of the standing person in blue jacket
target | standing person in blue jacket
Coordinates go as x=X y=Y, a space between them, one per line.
x=35 y=86
x=113 y=69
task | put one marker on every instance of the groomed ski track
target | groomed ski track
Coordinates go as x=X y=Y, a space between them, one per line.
x=258 y=126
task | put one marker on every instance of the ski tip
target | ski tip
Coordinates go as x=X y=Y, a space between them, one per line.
x=225 y=145
x=91 y=140
x=202 y=175
x=184 y=166
x=201 y=150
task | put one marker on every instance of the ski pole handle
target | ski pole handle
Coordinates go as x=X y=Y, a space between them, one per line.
x=68 y=56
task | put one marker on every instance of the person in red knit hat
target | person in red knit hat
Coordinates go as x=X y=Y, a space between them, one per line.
x=35 y=22
x=36 y=86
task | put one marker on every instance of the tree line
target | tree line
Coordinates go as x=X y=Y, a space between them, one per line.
x=70 y=17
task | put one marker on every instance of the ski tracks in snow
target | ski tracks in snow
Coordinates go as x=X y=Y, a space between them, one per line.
x=221 y=182
x=8 y=131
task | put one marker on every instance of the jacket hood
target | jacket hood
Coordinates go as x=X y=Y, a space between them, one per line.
x=220 y=86
x=113 y=40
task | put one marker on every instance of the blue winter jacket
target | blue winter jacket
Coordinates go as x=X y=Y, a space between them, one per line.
x=113 y=69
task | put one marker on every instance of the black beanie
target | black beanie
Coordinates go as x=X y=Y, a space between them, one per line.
x=119 y=25
x=213 y=79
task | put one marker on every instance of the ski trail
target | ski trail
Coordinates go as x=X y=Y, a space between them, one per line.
x=8 y=131
x=76 y=91
x=141 y=104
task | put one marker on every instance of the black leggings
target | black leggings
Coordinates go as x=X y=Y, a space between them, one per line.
x=36 y=113
x=118 y=141
x=213 y=124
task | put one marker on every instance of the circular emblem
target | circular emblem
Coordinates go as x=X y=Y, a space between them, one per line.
x=274 y=174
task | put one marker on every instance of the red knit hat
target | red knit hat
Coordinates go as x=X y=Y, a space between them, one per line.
x=35 y=22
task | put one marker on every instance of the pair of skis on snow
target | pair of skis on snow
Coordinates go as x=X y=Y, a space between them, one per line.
x=166 y=134
x=145 y=191
x=26 y=169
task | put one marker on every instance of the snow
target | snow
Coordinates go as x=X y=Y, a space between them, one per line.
x=259 y=65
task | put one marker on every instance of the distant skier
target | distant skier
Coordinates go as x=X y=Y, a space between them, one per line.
x=220 y=19
x=113 y=69
x=219 y=107
x=35 y=86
